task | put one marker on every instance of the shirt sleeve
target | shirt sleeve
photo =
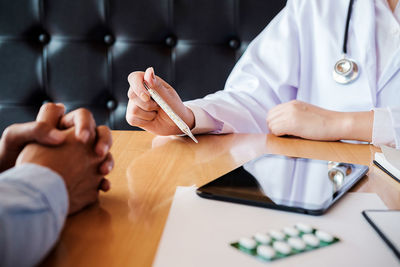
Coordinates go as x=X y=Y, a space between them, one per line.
x=33 y=207
x=266 y=75
x=386 y=127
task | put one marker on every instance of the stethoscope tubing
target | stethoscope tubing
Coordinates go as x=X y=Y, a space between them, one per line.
x=346 y=30
x=346 y=70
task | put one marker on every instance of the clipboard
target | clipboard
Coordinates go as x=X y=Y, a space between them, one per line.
x=386 y=223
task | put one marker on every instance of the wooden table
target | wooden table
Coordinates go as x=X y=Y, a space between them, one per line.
x=124 y=229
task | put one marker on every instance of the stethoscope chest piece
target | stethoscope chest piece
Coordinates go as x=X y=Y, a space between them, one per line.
x=345 y=71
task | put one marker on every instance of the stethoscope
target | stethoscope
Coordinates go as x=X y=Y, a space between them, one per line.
x=346 y=69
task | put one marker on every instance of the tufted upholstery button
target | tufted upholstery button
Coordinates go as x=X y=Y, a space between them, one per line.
x=109 y=39
x=170 y=41
x=44 y=38
x=112 y=104
x=234 y=43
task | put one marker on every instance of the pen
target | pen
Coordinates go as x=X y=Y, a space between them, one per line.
x=171 y=114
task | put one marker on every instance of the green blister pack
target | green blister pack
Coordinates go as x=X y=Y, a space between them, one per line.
x=278 y=244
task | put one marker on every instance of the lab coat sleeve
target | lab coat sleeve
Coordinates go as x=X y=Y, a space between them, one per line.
x=266 y=75
x=33 y=207
x=204 y=122
x=386 y=127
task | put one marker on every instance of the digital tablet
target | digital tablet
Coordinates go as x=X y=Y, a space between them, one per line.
x=293 y=184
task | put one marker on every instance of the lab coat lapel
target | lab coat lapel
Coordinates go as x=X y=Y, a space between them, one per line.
x=364 y=30
x=390 y=70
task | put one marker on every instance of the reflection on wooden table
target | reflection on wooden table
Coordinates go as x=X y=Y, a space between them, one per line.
x=125 y=227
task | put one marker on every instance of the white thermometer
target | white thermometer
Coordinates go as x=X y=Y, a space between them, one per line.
x=175 y=118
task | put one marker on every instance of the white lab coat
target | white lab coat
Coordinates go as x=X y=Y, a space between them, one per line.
x=293 y=58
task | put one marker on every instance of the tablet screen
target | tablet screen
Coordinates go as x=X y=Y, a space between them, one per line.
x=298 y=184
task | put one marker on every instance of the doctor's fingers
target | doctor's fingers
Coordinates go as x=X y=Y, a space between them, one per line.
x=135 y=121
x=157 y=83
x=135 y=112
x=275 y=114
x=279 y=128
x=135 y=80
x=289 y=109
x=145 y=105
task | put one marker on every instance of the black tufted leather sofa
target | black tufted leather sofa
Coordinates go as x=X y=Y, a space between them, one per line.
x=80 y=52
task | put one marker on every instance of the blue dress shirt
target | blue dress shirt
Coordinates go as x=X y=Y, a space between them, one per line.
x=33 y=207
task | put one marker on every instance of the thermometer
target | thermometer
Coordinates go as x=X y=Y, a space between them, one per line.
x=171 y=114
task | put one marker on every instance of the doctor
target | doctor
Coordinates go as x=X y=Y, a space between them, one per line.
x=291 y=80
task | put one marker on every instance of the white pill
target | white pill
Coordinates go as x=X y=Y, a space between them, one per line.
x=282 y=247
x=305 y=228
x=278 y=235
x=247 y=243
x=297 y=243
x=262 y=238
x=266 y=251
x=291 y=231
x=311 y=240
x=324 y=236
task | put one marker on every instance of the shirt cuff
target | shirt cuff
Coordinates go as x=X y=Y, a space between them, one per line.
x=382 y=132
x=204 y=122
x=43 y=180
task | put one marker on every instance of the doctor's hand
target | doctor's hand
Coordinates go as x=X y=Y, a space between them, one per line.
x=311 y=122
x=142 y=111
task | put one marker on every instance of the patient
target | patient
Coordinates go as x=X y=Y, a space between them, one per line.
x=50 y=168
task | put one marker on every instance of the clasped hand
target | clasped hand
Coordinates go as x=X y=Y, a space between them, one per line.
x=69 y=144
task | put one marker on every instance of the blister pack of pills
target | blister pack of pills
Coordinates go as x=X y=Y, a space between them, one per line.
x=286 y=242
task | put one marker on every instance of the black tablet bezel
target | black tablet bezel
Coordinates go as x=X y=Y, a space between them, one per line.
x=202 y=192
